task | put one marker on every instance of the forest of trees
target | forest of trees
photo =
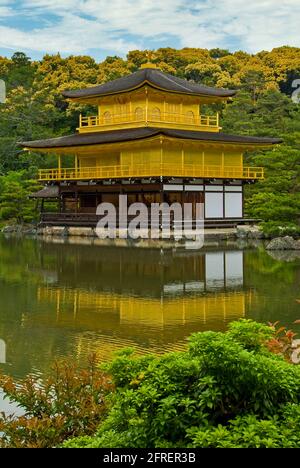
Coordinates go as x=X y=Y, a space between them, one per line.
x=35 y=109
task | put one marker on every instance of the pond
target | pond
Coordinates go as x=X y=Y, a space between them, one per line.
x=61 y=299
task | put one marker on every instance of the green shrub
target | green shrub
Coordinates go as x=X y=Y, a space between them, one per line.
x=251 y=432
x=280 y=229
x=228 y=388
x=67 y=403
x=251 y=335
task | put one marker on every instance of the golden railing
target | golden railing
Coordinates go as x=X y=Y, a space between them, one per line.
x=108 y=119
x=151 y=170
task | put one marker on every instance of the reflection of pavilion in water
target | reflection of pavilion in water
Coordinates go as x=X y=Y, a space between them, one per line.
x=132 y=287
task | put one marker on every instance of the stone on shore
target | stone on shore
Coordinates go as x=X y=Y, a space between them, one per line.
x=59 y=231
x=20 y=229
x=283 y=243
x=10 y=229
x=249 y=232
x=81 y=231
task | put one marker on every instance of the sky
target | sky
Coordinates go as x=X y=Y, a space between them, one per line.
x=113 y=27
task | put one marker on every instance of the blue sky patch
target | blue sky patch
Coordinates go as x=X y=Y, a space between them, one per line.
x=99 y=27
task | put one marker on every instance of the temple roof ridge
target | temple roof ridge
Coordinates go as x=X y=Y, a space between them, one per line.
x=155 y=78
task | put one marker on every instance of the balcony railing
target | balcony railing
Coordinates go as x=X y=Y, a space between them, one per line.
x=151 y=170
x=108 y=119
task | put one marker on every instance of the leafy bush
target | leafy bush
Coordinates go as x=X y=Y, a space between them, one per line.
x=283 y=342
x=252 y=432
x=68 y=403
x=280 y=229
x=228 y=389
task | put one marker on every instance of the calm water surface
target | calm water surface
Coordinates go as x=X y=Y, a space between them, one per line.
x=65 y=299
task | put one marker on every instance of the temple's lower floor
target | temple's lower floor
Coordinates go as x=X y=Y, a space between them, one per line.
x=76 y=203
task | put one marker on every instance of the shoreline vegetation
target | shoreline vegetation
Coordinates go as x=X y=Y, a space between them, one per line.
x=236 y=389
x=35 y=109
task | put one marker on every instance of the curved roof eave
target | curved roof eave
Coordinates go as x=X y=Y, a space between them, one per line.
x=129 y=135
x=153 y=77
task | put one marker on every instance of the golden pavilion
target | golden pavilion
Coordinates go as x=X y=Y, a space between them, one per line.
x=151 y=141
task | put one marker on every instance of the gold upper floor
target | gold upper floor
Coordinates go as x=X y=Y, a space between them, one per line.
x=156 y=157
x=149 y=107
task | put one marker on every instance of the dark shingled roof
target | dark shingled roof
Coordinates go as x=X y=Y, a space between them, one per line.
x=115 y=136
x=46 y=192
x=154 y=77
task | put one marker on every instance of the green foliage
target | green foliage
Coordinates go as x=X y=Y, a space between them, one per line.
x=228 y=389
x=69 y=402
x=269 y=206
x=280 y=229
x=204 y=72
x=20 y=71
x=251 y=335
x=219 y=53
x=15 y=203
x=252 y=432
x=275 y=200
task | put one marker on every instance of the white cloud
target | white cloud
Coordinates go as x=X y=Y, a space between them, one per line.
x=5 y=9
x=80 y=26
x=72 y=35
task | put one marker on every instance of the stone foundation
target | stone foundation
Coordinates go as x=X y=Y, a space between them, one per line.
x=86 y=235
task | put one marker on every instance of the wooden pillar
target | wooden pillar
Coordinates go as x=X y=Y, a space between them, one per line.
x=161 y=156
x=181 y=117
x=223 y=164
x=60 y=203
x=131 y=116
x=147 y=103
x=37 y=204
x=76 y=200
x=76 y=164
x=59 y=165
x=161 y=192
x=243 y=201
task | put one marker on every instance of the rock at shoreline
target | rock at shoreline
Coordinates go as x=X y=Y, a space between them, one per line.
x=81 y=231
x=249 y=232
x=283 y=243
x=22 y=229
x=10 y=229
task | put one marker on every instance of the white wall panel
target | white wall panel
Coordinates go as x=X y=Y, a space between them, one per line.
x=233 y=188
x=214 y=205
x=233 y=205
